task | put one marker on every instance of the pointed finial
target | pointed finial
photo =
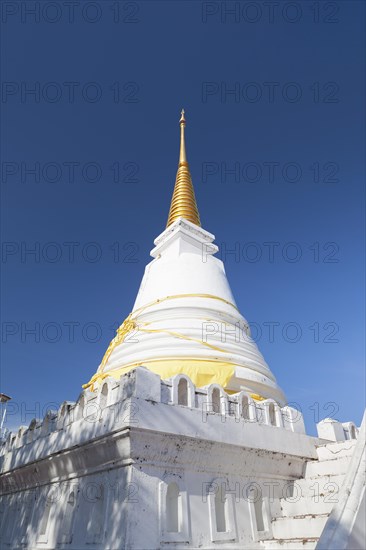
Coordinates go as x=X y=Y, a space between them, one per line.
x=183 y=201
x=182 y=155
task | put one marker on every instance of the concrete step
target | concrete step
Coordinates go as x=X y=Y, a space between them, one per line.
x=289 y=544
x=309 y=505
x=298 y=527
x=320 y=487
x=336 y=450
x=336 y=466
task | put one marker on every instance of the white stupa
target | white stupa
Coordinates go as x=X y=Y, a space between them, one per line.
x=185 y=319
x=182 y=439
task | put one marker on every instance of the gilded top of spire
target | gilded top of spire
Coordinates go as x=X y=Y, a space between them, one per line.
x=183 y=203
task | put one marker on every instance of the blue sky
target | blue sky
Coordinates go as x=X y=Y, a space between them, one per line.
x=274 y=100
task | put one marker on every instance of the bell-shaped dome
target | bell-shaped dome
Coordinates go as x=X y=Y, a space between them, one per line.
x=185 y=319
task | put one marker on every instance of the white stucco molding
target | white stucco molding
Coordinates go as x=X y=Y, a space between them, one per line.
x=182 y=534
x=218 y=495
x=245 y=407
x=176 y=390
x=259 y=505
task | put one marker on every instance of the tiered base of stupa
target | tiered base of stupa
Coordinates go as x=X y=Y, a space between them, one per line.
x=145 y=463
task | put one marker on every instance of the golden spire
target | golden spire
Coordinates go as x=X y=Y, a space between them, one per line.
x=183 y=203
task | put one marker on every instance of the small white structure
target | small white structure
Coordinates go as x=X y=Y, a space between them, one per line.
x=182 y=439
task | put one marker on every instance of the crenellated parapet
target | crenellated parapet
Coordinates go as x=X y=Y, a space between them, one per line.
x=116 y=404
x=213 y=399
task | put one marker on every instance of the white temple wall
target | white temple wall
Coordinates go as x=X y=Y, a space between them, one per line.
x=250 y=478
x=118 y=456
x=83 y=512
x=198 y=495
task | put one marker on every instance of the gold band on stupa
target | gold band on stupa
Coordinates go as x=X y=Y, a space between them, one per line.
x=183 y=203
